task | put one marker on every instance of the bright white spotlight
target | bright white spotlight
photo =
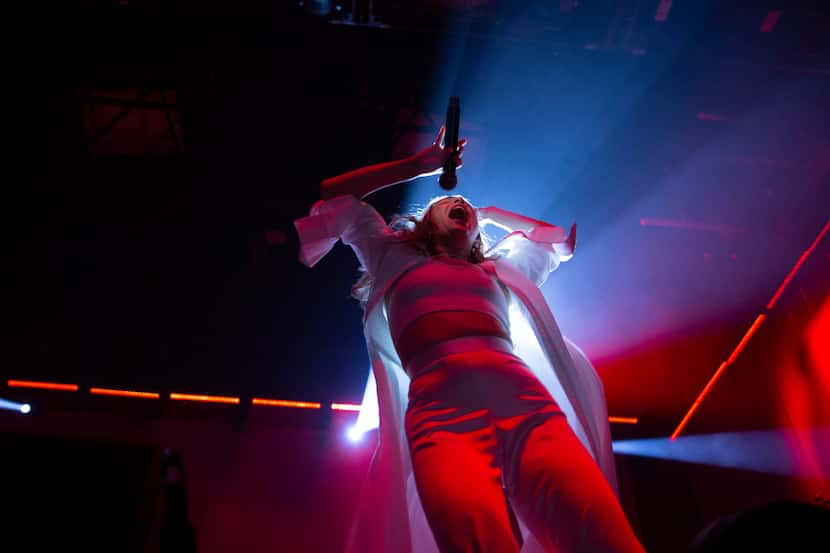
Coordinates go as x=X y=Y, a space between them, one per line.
x=354 y=434
x=15 y=406
x=368 y=418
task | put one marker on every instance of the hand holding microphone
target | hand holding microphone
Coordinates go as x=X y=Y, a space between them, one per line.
x=442 y=157
x=448 y=180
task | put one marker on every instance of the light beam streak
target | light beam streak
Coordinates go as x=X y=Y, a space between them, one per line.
x=765 y=451
x=7 y=405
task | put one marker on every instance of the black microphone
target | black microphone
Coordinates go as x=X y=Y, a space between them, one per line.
x=448 y=180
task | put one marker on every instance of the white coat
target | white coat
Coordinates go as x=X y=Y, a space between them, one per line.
x=389 y=517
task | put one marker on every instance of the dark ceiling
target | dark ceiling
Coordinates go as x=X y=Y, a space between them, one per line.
x=157 y=154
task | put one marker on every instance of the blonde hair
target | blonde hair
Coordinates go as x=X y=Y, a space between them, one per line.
x=417 y=231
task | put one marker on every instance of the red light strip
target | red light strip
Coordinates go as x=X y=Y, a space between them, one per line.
x=285 y=403
x=742 y=344
x=208 y=399
x=798 y=265
x=623 y=420
x=123 y=393
x=696 y=404
x=42 y=385
x=738 y=349
x=345 y=407
x=217 y=399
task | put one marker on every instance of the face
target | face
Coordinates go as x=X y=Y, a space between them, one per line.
x=455 y=223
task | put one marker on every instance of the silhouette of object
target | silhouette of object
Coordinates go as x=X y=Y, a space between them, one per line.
x=786 y=526
x=177 y=534
x=69 y=493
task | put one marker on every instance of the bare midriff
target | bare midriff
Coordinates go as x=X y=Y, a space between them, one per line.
x=440 y=326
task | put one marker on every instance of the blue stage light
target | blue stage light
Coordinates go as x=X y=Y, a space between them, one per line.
x=780 y=451
x=15 y=406
x=354 y=434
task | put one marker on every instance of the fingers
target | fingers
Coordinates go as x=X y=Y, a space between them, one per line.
x=459 y=152
x=440 y=138
x=455 y=157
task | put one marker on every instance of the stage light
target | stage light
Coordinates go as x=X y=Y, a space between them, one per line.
x=208 y=399
x=345 y=407
x=354 y=434
x=42 y=385
x=285 y=403
x=623 y=420
x=765 y=451
x=369 y=416
x=760 y=319
x=123 y=393
x=14 y=406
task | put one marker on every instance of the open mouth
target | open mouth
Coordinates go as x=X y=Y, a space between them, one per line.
x=458 y=213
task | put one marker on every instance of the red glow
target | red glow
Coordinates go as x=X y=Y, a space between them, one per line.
x=123 y=393
x=803 y=385
x=798 y=265
x=818 y=346
x=718 y=373
x=285 y=403
x=275 y=237
x=663 y=9
x=345 y=407
x=42 y=385
x=623 y=420
x=769 y=22
x=209 y=399
x=760 y=319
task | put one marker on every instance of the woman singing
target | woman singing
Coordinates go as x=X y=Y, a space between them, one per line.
x=491 y=440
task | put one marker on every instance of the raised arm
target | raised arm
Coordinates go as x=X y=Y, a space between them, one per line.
x=508 y=220
x=542 y=231
x=362 y=182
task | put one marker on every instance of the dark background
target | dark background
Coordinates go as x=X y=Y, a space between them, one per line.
x=155 y=155
x=137 y=256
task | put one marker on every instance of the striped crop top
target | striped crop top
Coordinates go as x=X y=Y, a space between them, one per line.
x=444 y=284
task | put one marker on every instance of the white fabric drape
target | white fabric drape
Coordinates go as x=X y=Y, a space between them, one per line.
x=389 y=517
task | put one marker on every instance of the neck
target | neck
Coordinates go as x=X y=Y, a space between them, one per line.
x=456 y=253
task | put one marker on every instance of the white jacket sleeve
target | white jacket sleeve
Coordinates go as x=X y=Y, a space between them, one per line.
x=536 y=253
x=346 y=218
